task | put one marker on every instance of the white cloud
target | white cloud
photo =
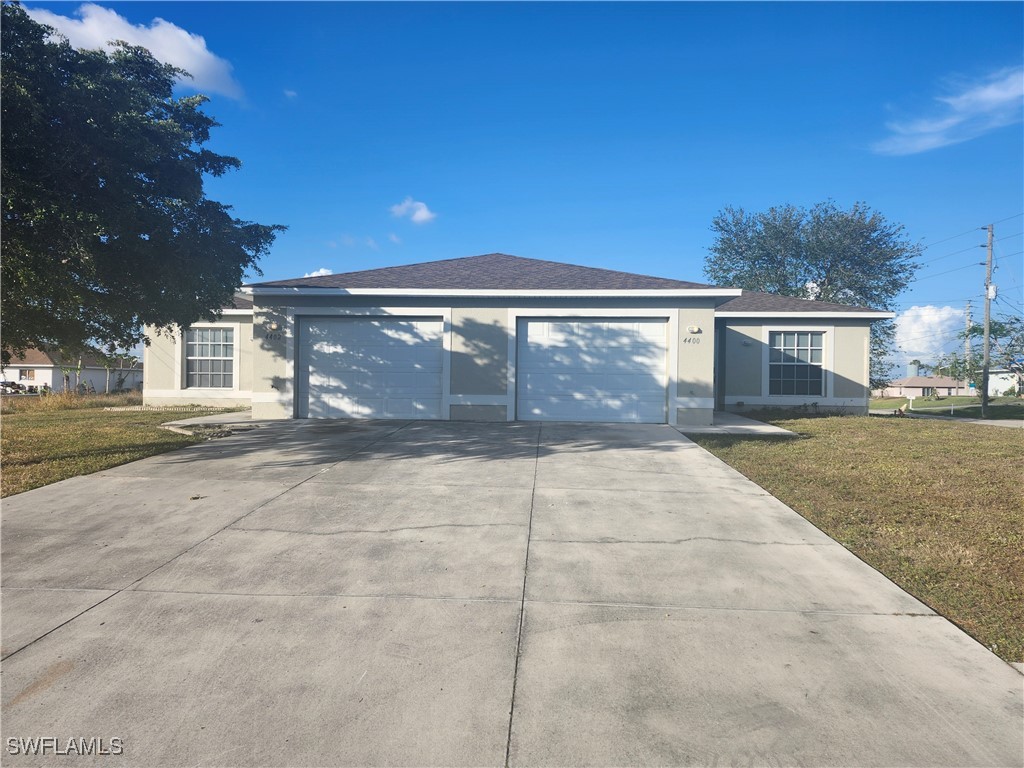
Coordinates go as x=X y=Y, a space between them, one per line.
x=970 y=110
x=415 y=210
x=371 y=243
x=96 y=26
x=289 y=93
x=320 y=272
x=394 y=238
x=924 y=333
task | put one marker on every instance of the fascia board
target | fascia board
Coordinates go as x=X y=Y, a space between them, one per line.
x=811 y=315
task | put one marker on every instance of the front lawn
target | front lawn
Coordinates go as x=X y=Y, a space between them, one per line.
x=995 y=411
x=934 y=505
x=42 y=442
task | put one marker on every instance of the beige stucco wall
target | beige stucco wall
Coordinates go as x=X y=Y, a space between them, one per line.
x=695 y=370
x=163 y=368
x=479 y=346
x=158 y=360
x=742 y=370
x=273 y=385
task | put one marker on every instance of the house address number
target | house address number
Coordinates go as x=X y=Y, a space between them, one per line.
x=691 y=340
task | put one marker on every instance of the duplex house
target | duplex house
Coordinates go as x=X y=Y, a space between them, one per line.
x=504 y=338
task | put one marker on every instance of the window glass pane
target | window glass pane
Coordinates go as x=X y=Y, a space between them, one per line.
x=803 y=355
x=208 y=357
x=775 y=339
x=803 y=339
x=815 y=387
x=790 y=340
x=816 y=339
x=815 y=355
x=775 y=355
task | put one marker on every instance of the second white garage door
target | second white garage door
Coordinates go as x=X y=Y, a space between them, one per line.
x=370 y=368
x=591 y=369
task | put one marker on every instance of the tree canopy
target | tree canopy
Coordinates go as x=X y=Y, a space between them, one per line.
x=106 y=226
x=1006 y=350
x=854 y=257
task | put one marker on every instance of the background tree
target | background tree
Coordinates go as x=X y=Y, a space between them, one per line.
x=105 y=223
x=853 y=257
x=1006 y=348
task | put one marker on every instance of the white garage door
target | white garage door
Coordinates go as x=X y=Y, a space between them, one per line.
x=370 y=368
x=590 y=369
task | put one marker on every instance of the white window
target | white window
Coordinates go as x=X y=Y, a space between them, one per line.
x=795 y=363
x=209 y=358
x=27 y=374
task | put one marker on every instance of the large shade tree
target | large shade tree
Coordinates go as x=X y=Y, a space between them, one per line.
x=106 y=226
x=855 y=257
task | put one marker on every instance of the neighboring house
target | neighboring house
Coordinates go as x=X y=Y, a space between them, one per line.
x=924 y=386
x=40 y=369
x=501 y=338
x=1001 y=380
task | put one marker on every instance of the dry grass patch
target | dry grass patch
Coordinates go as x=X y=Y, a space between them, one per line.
x=935 y=506
x=41 y=444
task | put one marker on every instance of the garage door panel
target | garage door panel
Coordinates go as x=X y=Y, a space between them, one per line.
x=370 y=368
x=592 y=370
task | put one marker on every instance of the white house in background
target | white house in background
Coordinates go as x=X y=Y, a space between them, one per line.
x=40 y=369
x=1002 y=379
x=924 y=386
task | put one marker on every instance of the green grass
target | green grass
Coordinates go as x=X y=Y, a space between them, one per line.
x=891 y=403
x=934 y=505
x=996 y=411
x=962 y=407
x=43 y=441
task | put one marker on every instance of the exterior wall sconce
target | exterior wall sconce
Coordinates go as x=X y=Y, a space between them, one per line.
x=273 y=326
x=693 y=329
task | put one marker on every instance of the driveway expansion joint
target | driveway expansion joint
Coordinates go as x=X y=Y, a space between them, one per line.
x=379 y=530
x=606 y=540
x=522 y=602
x=729 y=608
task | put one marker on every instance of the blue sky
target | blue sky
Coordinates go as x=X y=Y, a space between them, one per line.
x=604 y=134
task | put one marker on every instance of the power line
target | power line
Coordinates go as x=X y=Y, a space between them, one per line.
x=948 y=271
x=972 y=229
x=965 y=250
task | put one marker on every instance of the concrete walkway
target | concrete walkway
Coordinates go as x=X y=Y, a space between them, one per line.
x=734 y=424
x=437 y=593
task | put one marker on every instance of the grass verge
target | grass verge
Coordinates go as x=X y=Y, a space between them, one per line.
x=997 y=411
x=41 y=444
x=935 y=506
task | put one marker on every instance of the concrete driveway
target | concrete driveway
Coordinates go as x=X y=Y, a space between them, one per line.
x=388 y=593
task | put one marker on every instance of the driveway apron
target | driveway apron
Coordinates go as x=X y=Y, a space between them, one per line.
x=440 y=593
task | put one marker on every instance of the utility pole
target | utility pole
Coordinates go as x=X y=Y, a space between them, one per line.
x=968 y=351
x=988 y=319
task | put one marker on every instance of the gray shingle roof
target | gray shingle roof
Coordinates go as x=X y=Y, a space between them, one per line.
x=755 y=301
x=493 y=272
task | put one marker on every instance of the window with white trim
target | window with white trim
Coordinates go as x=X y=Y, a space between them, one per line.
x=27 y=374
x=210 y=358
x=795 y=363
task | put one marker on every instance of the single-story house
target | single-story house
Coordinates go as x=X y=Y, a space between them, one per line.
x=39 y=369
x=924 y=386
x=1003 y=380
x=504 y=338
